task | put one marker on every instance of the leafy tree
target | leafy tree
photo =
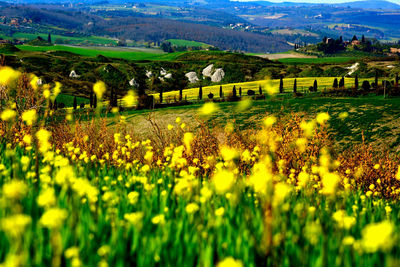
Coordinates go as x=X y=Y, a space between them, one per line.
x=363 y=39
x=366 y=86
x=234 y=91
x=397 y=79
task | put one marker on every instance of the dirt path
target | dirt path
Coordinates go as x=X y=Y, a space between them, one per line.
x=280 y=56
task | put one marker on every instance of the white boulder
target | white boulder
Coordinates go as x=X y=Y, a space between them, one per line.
x=149 y=74
x=208 y=71
x=133 y=83
x=73 y=74
x=168 y=76
x=192 y=77
x=218 y=75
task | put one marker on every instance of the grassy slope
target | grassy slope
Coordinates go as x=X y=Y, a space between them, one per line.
x=373 y=117
x=180 y=42
x=106 y=53
x=317 y=60
x=302 y=86
x=73 y=40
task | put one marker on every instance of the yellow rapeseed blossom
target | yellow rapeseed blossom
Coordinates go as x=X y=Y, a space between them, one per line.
x=129 y=99
x=158 y=219
x=223 y=181
x=343 y=220
x=208 y=109
x=99 y=89
x=15 y=190
x=343 y=115
x=269 y=121
x=29 y=116
x=322 y=118
x=35 y=81
x=16 y=224
x=8 y=75
x=56 y=90
x=244 y=105
x=330 y=182
x=230 y=262
x=8 y=115
x=134 y=218
x=377 y=236
x=229 y=154
x=192 y=208
x=281 y=191
x=47 y=198
x=187 y=140
x=53 y=218
x=43 y=136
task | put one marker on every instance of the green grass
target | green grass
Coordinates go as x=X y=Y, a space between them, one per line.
x=68 y=100
x=87 y=40
x=187 y=43
x=323 y=60
x=107 y=53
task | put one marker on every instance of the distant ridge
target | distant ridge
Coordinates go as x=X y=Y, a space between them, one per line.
x=371 y=4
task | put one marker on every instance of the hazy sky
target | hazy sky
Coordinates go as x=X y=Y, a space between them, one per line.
x=320 y=1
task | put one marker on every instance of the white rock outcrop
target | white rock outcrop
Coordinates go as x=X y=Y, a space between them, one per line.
x=192 y=77
x=168 y=76
x=149 y=74
x=208 y=71
x=353 y=68
x=73 y=74
x=163 y=72
x=133 y=83
x=218 y=75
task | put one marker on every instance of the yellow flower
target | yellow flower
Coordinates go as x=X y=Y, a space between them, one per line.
x=46 y=93
x=158 y=219
x=230 y=262
x=269 y=121
x=343 y=220
x=53 y=218
x=208 y=109
x=261 y=178
x=223 y=181
x=398 y=174
x=187 y=140
x=192 y=208
x=170 y=127
x=56 y=90
x=8 y=114
x=43 y=136
x=377 y=236
x=329 y=183
x=282 y=190
x=322 y=118
x=178 y=120
x=134 y=218
x=343 y=115
x=35 y=81
x=15 y=189
x=244 y=105
x=219 y=212
x=47 y=198
x=29 y=116
x=129 y=99
x=99 y=89
x=229 y=154
x=16 y=224
x=8 y=76
x=308 y=128
x=27 y=139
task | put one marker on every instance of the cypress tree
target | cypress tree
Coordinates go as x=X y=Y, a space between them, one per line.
x=180 y=95
x=295 y=86
x=240 y=91
x=91 y=99
x=376 y=79
x=356 y=82
x=363 y=39
x=341 y=83
x=221 y=94
x=281 y=86
x=234 y=91
x=260 y=90
x=75 y=103
x=315 y=86
x=49 y=38
x=95 y=101
x=200 y=92
x=335 y=83
x=161 y=95
x=112 y=97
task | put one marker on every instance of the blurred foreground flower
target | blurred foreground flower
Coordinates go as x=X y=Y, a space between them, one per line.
x=208 y=109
